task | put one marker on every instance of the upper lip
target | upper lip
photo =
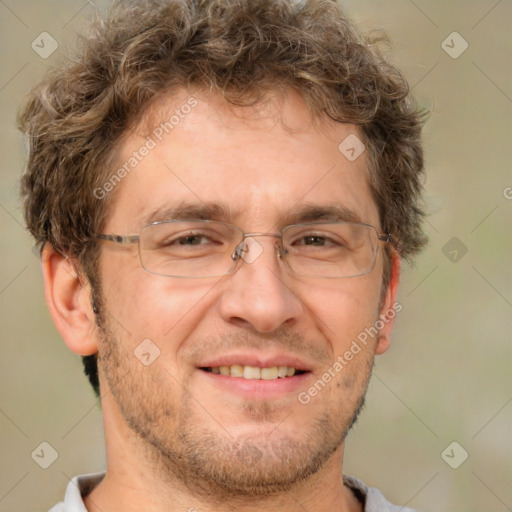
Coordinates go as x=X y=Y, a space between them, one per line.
x=255 y=359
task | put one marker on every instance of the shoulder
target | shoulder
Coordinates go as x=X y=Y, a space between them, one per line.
x=78 y=487
x=373 y=499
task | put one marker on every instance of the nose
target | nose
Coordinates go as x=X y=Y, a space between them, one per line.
x=259 y=293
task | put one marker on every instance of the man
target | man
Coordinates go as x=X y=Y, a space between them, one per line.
x=223 y=192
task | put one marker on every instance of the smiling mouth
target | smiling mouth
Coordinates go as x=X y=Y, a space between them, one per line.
x=254 y=372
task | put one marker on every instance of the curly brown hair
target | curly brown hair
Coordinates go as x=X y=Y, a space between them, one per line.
x=140 y=50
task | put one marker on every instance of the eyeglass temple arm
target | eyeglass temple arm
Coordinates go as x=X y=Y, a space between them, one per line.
x=118 y=239
x=384 y=237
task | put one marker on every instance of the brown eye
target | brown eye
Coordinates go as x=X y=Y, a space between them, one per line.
x=314 y=240
x=192 y=240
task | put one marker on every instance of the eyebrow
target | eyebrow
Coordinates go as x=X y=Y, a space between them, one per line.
x=186 y=210
x=300 y=213
x=334 y=212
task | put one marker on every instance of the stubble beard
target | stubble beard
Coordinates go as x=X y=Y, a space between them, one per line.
x=207 y=462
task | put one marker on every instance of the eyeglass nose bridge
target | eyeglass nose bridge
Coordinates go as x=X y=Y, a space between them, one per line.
x=243 y=250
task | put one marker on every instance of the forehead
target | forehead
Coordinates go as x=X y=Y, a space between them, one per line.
x=254 y=166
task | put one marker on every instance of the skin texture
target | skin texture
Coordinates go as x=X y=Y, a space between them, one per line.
x=178 y=438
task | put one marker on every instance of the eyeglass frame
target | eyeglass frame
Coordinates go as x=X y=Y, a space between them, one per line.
x=125 y=240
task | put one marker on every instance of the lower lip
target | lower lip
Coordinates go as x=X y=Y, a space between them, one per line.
x=258 y=388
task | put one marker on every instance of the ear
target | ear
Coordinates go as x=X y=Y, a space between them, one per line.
x=69 y=301
x=390 y=307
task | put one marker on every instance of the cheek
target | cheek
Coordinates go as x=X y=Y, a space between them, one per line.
x=160 y=308
x=343 y=309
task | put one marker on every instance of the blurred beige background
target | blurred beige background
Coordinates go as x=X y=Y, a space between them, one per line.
x=447 y=377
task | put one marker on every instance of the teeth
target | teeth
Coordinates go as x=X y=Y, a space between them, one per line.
x=283 y=370
x=254 y=372
x=251 y=372
x=269 y=373
x=236 y=370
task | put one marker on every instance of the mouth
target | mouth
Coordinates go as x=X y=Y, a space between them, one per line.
x=254 y=372
x=255 y=375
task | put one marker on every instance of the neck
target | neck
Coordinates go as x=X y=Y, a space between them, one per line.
x=137 y=479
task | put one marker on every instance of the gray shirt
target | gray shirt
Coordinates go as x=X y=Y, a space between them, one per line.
x=82 y=485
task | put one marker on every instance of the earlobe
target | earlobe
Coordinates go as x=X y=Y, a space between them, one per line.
x=69 y=302
x=390 y=307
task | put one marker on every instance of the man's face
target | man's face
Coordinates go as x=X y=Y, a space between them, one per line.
x=243 y=434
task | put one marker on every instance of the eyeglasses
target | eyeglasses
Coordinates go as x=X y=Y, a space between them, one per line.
x=205 y=248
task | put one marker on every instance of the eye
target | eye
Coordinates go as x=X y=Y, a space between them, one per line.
x=316 y=240
x=190 y=240
x=320 y=240
x=198 y=239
